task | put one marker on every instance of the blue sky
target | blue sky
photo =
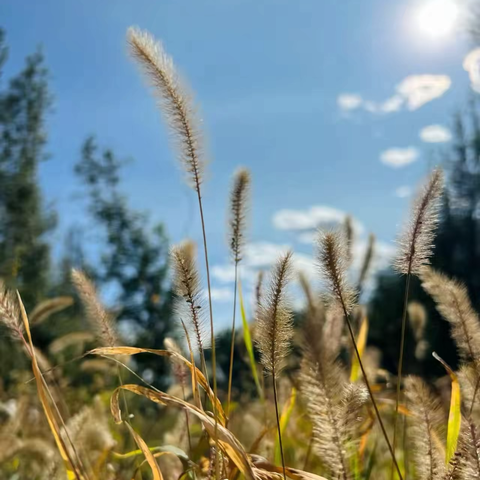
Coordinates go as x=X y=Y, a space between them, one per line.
x=293 y=90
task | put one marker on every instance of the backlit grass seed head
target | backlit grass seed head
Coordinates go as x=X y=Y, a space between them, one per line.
x=453 y=303
x=100 y=320
x=239 y=199
x=426 y=419
x=175 y=101
x=416 y=241
x=187 y=286
x=333 y=262
x=273 y=331
x=9 y=313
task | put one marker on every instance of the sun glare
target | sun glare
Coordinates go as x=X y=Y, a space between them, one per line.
x=437 y=18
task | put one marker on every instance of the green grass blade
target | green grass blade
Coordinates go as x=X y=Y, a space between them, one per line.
x=248 y=341
x=284 y=419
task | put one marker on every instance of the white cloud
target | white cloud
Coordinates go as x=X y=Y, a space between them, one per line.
x=403 y=191
x=221 y=295
x=262 y=254
x=471 y=64
x=349 y=101
x=311 y=219
x=435 y=134
x=413 y=91
x=399 y=157
x=421 y=89
x=392 y=104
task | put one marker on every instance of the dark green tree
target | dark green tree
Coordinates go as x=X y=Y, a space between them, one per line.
x=457 y=253
x=24 y=221
x=135 y=261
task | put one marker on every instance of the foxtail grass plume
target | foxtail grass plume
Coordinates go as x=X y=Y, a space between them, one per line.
x=333 y=262
x=417 y=316
x=423 y=427
x=175 y=101
x=367 y=262
x=186 y=282
x=274 y=319
x=259 y=288
x=9 y=312
x=416 y=242
x=453 y=303
x=239 y=199
x=349 y=238
x=100 y=320
x=179 y=369
x=334 y=404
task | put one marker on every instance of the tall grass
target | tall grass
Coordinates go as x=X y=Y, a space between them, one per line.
x=339 y=426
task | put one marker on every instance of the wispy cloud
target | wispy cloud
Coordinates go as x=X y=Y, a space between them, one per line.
x=421 y=89
x=435 y=134
x=399 y=157
x=349 y=101
x=412 y=92
x=308 y=220
x=471 y=64
x=221 y=294
x=403 y=191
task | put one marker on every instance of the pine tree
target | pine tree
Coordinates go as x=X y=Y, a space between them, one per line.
x=24 y=222
x=134 y=262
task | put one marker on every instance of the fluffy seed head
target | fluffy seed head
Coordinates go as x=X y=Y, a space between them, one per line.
x=453 y=303
x=9 y=314
x=427 y=417
x=174 y=99
x=239 y=199
x=100 y=320
x=274 y=329
x=186 y=281
x=416 y=242
x=367 y=262
x=333 y=263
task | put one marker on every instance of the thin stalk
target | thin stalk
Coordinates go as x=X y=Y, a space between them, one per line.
x=275 y=399
x=400 y=359
x=232 y=344
x=212 y=331
x=477 y=385
x=309 y=451
x=187 y=422
x=367 y=384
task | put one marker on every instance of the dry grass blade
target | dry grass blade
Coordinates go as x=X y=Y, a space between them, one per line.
x=99 y=318
x=73 y=470
x=157 y=473
x=200 y=378
x=229 y=445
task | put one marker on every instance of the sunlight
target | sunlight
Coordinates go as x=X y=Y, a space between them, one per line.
x=437 y=18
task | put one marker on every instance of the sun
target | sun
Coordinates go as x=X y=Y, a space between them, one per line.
x=437 y=18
